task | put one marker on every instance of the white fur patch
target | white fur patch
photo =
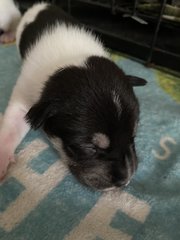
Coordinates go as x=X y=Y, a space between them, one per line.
x=9 y=15
x=117 y=102
x=101 y=140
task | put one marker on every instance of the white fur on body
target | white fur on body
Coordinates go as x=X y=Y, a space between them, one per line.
x=9 y=19
x=58 y=47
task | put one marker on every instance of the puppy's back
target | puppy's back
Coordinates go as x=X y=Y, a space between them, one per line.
x=36 y=21
x=59 y=30
x=48 y=41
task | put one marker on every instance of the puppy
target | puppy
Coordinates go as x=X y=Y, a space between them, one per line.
x=9 y=19
x=70 y=88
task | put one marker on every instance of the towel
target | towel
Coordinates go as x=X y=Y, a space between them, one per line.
x=41 y=200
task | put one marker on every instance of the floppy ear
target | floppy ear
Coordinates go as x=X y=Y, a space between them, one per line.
x=39 y=113
x=136 y=81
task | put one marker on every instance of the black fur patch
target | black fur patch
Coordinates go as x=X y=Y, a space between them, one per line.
x=45 y=19
x=78 y=102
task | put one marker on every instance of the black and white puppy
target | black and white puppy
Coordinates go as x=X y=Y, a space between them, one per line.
x=70 y=88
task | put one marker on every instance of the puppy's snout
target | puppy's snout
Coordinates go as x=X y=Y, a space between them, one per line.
x=131 y=165
x=133 y=159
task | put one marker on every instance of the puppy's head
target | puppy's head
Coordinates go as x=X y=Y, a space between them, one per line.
x=94 y=111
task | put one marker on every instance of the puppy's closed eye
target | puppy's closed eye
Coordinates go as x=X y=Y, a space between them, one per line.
x=90 y=149
x=86 y=149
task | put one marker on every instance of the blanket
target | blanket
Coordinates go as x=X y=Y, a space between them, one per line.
x=41 y=200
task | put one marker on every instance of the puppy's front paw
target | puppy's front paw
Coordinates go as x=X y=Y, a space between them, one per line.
x=5 y=159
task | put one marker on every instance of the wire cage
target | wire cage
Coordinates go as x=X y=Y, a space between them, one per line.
x=146 y=29
x=148 y=35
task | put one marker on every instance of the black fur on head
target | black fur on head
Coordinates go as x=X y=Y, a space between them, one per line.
x=94 y=111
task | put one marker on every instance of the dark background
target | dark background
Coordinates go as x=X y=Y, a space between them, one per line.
x=125 y=34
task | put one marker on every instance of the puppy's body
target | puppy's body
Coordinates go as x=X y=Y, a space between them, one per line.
x=49 y=45
x=70 y=88
x=9 y=19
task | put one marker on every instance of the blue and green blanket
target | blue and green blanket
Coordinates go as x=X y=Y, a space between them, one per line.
x=40 y=200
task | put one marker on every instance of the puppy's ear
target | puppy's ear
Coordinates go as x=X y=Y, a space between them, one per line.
x=40 y=112
x=136 y=81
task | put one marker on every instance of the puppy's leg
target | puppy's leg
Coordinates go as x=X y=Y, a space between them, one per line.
x=13 y=129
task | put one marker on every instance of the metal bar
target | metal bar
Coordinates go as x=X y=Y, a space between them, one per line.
x=113 y=7
x=135 y=6
x=139 y=50
x=96 y=3
x=154 y=39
